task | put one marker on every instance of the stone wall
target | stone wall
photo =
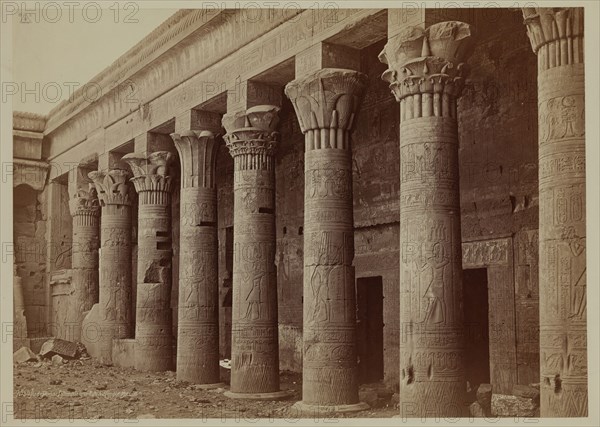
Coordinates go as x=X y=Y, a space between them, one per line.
x=499 y=186
x=29 y=229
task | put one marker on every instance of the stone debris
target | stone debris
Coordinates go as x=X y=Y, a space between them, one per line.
x=57 y=360
x=513 y=406
x=527 y=392
x=476 y=410
x=24 y=354
x=58 y=346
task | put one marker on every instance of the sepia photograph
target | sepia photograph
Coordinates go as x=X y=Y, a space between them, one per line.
x=300 y=212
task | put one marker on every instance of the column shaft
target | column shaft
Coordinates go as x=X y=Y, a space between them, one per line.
x=251 y=140
x=153 y=326
x=325 y=102
x=557 y=38
x=84 y=268
x=198 y=322
x=426 y=77
x=85 y=210
x=115 y=258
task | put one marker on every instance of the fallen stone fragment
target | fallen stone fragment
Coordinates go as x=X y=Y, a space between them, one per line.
x=57 y=360
x=55 y=382
x=102 y=386
x=24 y=354
x=527 y=392
x=476 y=410
x=513 y=406
x=57 y=346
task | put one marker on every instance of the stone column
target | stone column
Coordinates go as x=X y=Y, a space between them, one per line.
x=251 y=139
x=153 y=325
x=198 y=309
x=325 y=102
x=115 y=257
x=556 y=36
x=85 y=210
x=426 y=75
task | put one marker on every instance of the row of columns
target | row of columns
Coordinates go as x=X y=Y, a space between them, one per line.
x=426 y=75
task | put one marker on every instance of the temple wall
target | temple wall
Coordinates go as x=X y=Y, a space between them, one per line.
x=29 y=234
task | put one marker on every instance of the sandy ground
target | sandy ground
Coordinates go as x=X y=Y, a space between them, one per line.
x=85 y=389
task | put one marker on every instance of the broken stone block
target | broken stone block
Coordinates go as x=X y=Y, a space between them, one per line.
x=484 y=398
x=527 y=392
x=57 y=346
x=91 y=333
x=24 y=354
x=513 y=406
x=57 y=360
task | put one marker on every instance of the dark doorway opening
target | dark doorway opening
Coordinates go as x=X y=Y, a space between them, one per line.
x=477 y=342
x=369 y=301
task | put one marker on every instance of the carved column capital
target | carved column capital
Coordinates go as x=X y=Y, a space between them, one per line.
x=111 y=186
x=252 y=136
x=252 y=131
x=428 y=61
x=327 y=98
x=198 y=155
x=84 y=202
x=556 y=34
x=150 y=171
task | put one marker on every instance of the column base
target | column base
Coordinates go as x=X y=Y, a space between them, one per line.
x=276 y=395
x=208 y=386
x=317 y=410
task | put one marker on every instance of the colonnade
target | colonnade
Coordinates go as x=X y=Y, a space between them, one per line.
x=426 y=74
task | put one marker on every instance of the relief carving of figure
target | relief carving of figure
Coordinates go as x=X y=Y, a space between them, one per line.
x=319 y=283
x=254 y=297
x=434 y=293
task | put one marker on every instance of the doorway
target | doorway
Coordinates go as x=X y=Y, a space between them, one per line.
x=369 y=302
x=476 y=315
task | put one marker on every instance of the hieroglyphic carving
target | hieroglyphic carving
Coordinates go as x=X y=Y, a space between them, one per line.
x=198 y=309
x=325 y=102
x=252 y=138
x=556 y=36
x=426 y=75
x=85 y=210
x=153 y=325
x=115 y=257
x=526 y=244
x=485 y=253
